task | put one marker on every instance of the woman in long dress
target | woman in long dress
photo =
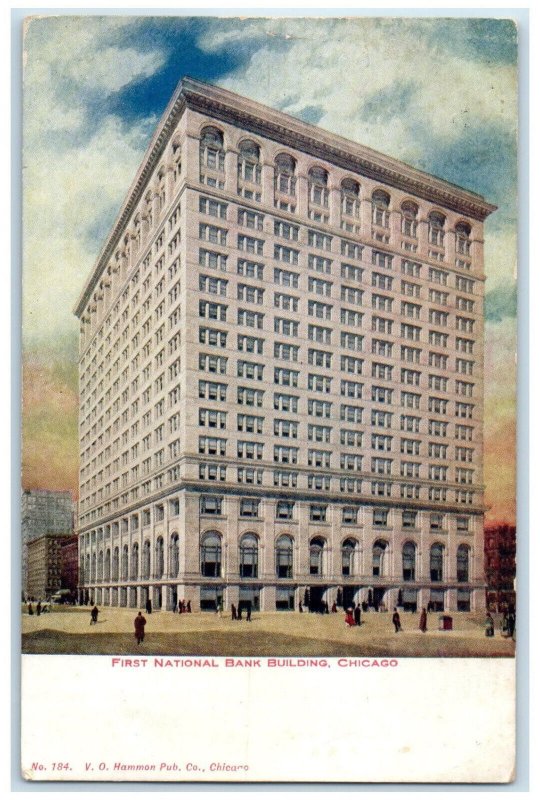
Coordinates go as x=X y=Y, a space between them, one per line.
x=423 y=621
x=349 y=619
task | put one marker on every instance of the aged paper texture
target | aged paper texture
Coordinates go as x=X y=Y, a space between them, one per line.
x=269 y=335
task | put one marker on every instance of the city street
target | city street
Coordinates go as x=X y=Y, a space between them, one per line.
x=68 y=630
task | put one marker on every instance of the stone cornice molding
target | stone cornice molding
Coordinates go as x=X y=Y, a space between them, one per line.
x=291 y=132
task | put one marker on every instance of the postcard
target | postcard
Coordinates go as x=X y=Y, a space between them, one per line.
x=269 y=391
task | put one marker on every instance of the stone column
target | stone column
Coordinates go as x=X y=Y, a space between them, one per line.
x=422 y=233
x=267 y=180
x=395 y=228
x=451 y=600
x=335 y=206
x=302 y=195
x=268 y=598
x=365 y=217
x=231 y=171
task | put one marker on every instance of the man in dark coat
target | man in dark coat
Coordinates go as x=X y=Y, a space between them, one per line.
x=94 y=615
x=357 y=612
x=139 y=624
x=396 y=620
x=423 y=621
x=148 y=606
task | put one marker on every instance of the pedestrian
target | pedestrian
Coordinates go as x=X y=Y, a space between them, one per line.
x=94 y=615
x=349 y=619
x=239 y=614
x=139 y=624
x=187 y=608
x=38 y=608
x=357 y=612
x=30 y=609
x=511 y=624
x=300 y=607
x=148 y=606
x=248 y=611
x=396 y=620
x=423 y=621
x=489 y=625
x=334 y=608
x=233 y=611
x=504 y=624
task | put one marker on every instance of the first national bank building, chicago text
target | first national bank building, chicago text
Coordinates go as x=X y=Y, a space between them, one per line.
x=281 y=374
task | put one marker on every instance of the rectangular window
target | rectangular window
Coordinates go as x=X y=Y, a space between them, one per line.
x=284 y=277
x=212 y=207
x=250 y=269
x=316 y=333
x=319 y=240
x=250 y=244
x=250 y=219
x=250 y=344
x=319 y=263
x=286 y=302
x=212 y=260
x=213 y=234
x=286 y=254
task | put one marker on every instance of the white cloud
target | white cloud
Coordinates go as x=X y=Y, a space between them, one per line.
x=338 y=64
x=70 y=183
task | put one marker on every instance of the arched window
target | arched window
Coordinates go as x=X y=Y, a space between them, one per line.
x=146 y=555
x=316 y=549
x=211 y=555
x=284 y=557
x=378 y=557
x=463 y=241
x=380 y=204
x=463 y=553
x=134 y=561
x=350 y=197
x=125 y=562
x=100 y=566
x=249 y=556
x=409 y=214
x=249 y=168
x=212 y=154
x=436 y=228
x=436 y=562
x=174 y=559
x=347 y=557
x=115 y=559
x=318 y=186
x=285 y=174
x=409 y=561
x=159 y=561
x=176 y=153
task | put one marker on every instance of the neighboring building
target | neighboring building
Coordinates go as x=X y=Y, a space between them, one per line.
x=281 y=373
x=500 y=554
x=69 y=563
x=43 y=512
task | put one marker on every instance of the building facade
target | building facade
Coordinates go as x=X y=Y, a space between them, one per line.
x=500 y=555
x=281 y=374
x=43 y=512
x=45 y=566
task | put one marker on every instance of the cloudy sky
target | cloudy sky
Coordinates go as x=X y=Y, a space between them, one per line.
x=439 y=94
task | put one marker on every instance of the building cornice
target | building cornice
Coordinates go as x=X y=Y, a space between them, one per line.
x=258 y=119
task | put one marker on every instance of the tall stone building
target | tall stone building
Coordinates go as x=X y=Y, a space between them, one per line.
x=43 y=512
x=281 y=373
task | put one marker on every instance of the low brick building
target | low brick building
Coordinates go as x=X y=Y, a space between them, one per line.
x=52 y=565
x=500 y=555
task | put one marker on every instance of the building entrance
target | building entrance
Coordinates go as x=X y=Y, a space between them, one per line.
x=379 y=598
x=316 y=599
x=348 y=594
